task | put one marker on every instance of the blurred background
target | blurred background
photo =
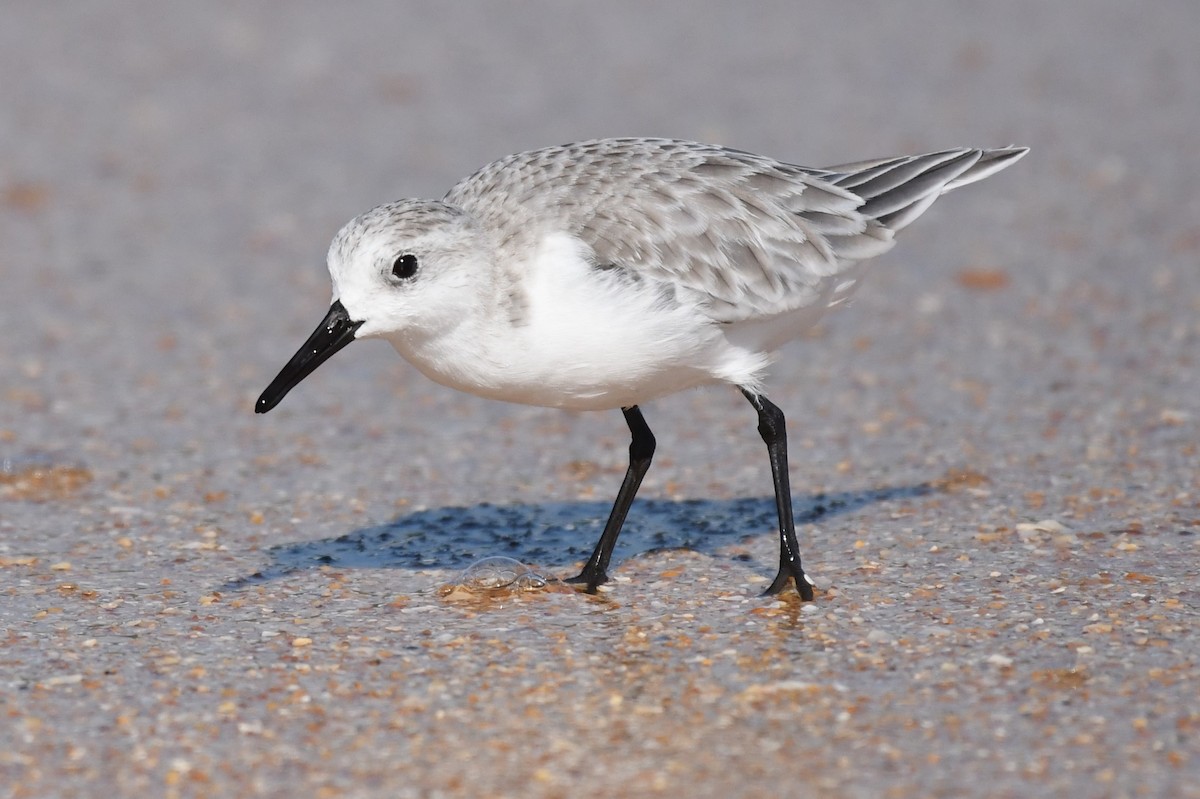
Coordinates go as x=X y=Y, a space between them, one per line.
x=171 y=180
x=171 y=175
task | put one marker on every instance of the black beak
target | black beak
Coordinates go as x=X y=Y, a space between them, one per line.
x=335 y=331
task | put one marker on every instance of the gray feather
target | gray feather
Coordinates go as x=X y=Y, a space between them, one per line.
x=747 y=237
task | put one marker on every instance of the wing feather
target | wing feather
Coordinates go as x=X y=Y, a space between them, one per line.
x=742 y=236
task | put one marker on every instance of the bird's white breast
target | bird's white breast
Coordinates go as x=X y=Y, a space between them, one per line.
x=583 y=338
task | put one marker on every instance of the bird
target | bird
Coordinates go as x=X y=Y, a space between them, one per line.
x=605 y=274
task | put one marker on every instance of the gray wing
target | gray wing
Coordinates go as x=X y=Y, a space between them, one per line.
x=898 y=190
x=742 y=236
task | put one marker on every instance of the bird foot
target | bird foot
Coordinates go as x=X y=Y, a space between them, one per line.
x=591 y=580
x=789 y=573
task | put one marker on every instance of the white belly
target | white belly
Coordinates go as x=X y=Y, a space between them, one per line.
x=585 y=340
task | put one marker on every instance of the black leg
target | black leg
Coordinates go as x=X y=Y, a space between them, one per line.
x=772 y=428
x=641 y=450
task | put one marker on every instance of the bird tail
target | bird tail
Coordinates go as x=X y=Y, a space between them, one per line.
x=895 y=191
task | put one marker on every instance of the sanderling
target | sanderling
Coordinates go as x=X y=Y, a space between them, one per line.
x=607 y=273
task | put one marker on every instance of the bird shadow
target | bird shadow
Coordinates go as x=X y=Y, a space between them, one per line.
x=554 y=534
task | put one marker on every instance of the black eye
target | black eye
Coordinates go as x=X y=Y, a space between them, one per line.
x=405 y=266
